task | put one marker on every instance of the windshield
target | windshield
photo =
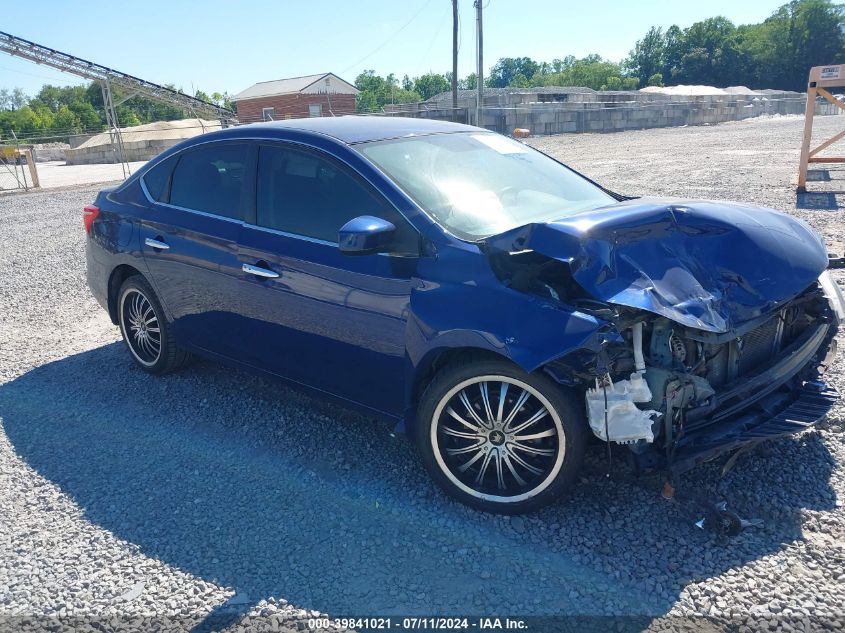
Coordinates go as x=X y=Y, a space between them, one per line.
x=480 y=184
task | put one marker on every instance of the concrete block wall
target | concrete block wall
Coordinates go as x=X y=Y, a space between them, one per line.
x=45 y=152
x=104 y=154
x=611 y=111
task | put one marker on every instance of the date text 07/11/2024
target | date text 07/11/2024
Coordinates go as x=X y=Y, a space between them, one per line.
x=418 y=623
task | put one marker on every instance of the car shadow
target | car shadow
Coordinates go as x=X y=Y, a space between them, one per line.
x=254 y=487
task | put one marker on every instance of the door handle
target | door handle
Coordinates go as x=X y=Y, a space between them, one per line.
x=260 y=272
x=157 y=244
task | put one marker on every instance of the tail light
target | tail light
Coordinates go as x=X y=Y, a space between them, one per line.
x=89 y=214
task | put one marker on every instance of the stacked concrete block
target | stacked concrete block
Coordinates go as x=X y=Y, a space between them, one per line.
x=552 y=110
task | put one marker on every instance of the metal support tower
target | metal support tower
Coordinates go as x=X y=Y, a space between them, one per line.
x=109 y=79
x=114 y=128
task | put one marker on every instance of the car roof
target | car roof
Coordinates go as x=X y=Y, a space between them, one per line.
x=361 y=129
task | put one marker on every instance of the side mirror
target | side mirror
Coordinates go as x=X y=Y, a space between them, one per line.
x=365 y=235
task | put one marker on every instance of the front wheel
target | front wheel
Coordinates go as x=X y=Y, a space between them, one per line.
x=500 y=439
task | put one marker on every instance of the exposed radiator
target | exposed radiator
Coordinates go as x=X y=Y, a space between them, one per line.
x=758 y=346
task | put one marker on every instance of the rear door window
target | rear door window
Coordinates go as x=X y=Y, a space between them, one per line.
x=211 y=179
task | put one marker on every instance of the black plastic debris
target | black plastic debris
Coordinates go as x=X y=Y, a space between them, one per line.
x=725 y=522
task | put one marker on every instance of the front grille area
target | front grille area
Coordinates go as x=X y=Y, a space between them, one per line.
x=752 y=382
x=722 y=359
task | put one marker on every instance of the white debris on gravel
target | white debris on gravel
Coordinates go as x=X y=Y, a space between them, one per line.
x=211 y=495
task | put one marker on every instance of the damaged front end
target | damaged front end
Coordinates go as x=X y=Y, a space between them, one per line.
x=708 y=393
x=720 y=321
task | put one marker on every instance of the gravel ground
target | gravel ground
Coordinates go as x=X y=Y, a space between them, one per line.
x=205 y=497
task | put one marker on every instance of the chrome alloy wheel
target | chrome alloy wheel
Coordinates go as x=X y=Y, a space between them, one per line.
x=140 y=327
x=498 y=439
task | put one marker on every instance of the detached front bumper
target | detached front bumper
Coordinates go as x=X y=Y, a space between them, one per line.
x=796 y=411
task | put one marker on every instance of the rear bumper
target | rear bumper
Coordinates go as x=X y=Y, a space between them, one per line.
x=97 y=272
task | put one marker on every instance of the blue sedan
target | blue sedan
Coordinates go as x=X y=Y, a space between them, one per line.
x=501 y=308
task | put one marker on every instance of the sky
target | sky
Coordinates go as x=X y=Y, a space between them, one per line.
x=227 y=46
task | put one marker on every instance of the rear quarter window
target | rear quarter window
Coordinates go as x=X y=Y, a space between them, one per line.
x=157 y=179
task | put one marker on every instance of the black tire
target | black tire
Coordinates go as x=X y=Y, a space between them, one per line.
x=448 y=440
x=145 y=329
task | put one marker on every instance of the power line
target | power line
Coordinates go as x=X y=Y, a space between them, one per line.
x=388 y=40
x=434 y=38
x=56 y=77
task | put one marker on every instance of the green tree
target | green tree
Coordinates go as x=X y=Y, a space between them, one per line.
x=589 y=72
x=50 y=96
x=89 y=118
x=366 y=101
x=630 y=83
x=520 y=81
x=377 y=91
x=27 y=121
x=431 y=84
x=470 y=82
x=802 y=34
x=673 y=51
x=70 y=109
x=508 y=68
x=17 y=99
x=707 y=60
x=65 y=121
x=130 y=119
x=223 y=100
x=614 y=82
x=776 y=53
x=648 y=56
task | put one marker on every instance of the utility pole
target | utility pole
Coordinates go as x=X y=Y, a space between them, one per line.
x=479 y=73
x=454 y=59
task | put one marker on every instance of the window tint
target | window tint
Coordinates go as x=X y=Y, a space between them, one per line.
x=157 y=179
x=305 y=194
x=210 y=178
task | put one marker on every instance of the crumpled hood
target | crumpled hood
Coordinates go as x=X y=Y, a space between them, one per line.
x=706 y=265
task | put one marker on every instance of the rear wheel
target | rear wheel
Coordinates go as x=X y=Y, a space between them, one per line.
x=500 y=439
x=145 y=330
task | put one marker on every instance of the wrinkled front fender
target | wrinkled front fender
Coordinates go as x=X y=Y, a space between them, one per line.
x=471 y=309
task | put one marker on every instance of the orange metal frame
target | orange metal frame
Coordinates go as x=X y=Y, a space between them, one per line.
x=821 y=78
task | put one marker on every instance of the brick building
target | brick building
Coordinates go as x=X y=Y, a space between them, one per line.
x=325 y=94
